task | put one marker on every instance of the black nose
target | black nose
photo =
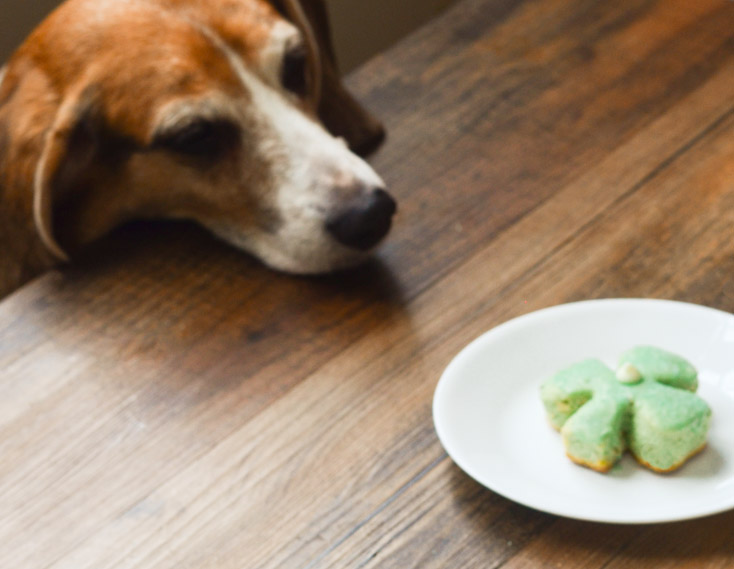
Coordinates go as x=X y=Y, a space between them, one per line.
x=363 y=224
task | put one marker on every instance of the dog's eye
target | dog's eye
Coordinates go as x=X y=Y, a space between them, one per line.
x=293 y=75
x=206 y=138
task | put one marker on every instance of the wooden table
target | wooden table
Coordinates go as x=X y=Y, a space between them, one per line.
x=168 y=403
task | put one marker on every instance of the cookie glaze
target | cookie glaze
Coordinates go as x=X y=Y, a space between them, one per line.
x=647 y=408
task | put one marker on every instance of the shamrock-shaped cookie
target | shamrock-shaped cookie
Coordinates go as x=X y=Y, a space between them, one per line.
x=648 y=406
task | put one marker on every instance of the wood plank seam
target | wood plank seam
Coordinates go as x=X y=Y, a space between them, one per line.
x=652 y=175
x=419 y=476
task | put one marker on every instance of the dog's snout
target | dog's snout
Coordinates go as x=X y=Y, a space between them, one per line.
x=364 y=223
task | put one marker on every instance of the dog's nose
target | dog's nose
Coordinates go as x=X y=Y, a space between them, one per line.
x=364 y=223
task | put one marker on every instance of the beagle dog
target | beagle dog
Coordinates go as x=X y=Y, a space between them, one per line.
x=226 y=112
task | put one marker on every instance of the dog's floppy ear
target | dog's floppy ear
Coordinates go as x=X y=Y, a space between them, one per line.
x=293 y=10
x=47 y=144
x=340 y=112
x=69 y=148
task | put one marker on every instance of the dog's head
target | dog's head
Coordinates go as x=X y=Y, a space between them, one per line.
x=196 y=109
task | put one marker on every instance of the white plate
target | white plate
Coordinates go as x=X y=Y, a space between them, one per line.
x=490 y=420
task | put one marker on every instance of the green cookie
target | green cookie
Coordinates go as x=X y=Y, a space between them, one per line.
x=647 y=407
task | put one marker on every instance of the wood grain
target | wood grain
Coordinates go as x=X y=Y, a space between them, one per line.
x=168 y=403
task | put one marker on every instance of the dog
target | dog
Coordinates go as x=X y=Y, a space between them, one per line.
x=229 y=113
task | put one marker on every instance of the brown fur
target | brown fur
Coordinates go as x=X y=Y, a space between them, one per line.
x=76 y=141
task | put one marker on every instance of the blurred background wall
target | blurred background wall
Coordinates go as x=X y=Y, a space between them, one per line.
x=364 y=27
x=17 y=18
x=361 y=27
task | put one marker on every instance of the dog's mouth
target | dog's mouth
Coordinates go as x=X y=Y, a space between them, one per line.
x=315 y=245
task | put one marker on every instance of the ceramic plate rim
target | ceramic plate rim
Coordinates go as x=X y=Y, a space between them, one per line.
x=447 y=377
